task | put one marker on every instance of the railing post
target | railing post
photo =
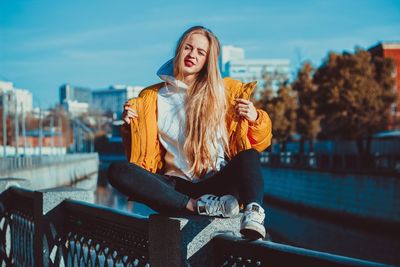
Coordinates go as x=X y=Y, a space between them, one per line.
x=45 y=202
x=186 y=241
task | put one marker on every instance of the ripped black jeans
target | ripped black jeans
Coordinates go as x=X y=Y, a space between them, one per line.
x=240 y=177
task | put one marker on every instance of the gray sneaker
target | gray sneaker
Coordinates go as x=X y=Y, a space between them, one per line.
x=252 y=222
x=224 y=206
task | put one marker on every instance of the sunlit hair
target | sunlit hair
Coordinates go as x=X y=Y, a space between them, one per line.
x=205 y=106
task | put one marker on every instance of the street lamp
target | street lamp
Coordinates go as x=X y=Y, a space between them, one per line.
x=4 y=121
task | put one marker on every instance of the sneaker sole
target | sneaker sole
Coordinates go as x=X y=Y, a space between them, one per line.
x=252 y=233
x=230 y=216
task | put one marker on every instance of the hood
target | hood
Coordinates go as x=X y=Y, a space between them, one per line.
x=166 y=73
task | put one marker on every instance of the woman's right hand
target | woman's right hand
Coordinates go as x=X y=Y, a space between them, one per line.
x=128 y=113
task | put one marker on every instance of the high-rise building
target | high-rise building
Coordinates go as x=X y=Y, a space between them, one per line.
x=6 y=86
x=269 y=73
x=75 y=93
x=113 y=98
x=78 y=100
x=75 y=99
x=24 y=99
x=229 y=53
x=76 y=108
x=15 y=97
x=391 y=50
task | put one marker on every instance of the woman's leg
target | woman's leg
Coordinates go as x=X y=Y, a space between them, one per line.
x=154 y=190
x=241 y=177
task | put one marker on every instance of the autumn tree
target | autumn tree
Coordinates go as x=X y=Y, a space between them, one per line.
x=308 y=121
x=282 y=110
x=355 y=93
x=271 y=82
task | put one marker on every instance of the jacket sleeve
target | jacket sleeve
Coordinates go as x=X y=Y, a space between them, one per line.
x=260 y=131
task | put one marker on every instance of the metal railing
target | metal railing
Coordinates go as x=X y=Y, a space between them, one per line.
x=17 y=228
x=373 y=164
x=235 y=251
x=75 y=233
x=95 y=235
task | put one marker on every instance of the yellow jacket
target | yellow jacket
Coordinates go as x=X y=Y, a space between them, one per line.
x=140 y=137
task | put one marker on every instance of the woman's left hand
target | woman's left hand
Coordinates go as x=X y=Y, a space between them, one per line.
x=246 y=109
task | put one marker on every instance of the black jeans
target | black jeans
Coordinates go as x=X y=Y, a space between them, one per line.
x=241 y=177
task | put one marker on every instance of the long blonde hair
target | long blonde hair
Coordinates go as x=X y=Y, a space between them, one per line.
x=205 y=106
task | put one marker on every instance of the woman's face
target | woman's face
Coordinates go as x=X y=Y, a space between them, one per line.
x=194 y=56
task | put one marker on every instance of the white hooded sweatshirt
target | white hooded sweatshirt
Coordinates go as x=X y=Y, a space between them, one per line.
x=171 y=125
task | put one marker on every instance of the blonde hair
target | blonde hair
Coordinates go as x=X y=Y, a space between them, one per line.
x=205 y=106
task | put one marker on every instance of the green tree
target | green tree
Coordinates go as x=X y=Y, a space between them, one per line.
x=308 y=121
x=355 y=92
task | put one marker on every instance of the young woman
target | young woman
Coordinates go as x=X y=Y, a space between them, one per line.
x=192 y=141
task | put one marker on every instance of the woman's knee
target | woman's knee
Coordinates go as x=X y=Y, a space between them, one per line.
x=115 y=170
x=249 y=154
x=119 y=172
x=111 y=172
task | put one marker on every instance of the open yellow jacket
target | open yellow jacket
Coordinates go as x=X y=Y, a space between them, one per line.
x=140 y=137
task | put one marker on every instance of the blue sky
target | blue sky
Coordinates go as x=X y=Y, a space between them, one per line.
x=44 y=44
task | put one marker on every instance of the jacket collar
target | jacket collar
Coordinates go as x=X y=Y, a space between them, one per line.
x=166 y=73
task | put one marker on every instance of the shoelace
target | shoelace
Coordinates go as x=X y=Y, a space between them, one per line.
x=215 y=206
x=254 y=215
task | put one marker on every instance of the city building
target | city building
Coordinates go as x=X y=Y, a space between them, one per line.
x=78 y=100
x=391 y=50
x=75 y=99
x=75 y=93
x=6 y=86
x=76 y=108
x=269 y=73
x=113 y=98
x=229 y=53
x=24 y=99
x=12 y=97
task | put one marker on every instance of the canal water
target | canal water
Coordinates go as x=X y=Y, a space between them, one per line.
x=335 y=234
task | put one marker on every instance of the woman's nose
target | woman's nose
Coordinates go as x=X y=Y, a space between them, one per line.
x=192 y=54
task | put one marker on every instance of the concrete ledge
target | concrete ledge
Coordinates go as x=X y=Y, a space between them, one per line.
x=49 y=198
x=5 y=183
x=185 y=240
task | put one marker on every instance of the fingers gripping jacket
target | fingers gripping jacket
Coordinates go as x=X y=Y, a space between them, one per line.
x=238 y=136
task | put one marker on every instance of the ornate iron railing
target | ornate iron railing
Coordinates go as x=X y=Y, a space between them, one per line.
x=96 y=235
x=17 y=227
x=74 y=233
x=353 y=163
x=43 y=228
x=235 y=251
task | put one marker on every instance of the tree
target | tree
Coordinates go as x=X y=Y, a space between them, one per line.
x=355 y=92
x=282 y=110
x=308 y=121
